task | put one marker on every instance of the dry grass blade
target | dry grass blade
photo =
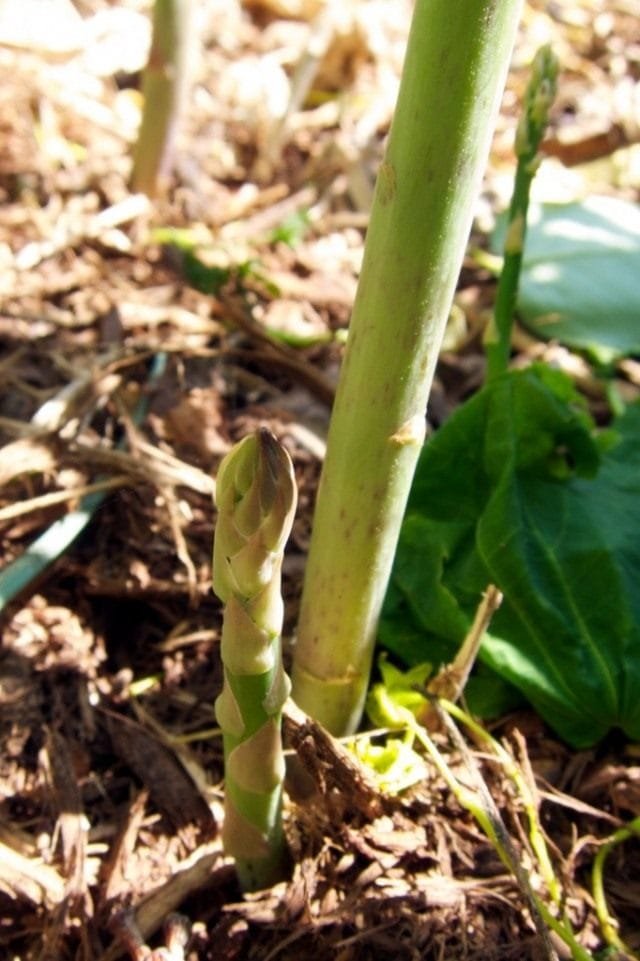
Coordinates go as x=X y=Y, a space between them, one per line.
x=157 y=467
x=450 y=681
x=29 y=455
x=59 y=497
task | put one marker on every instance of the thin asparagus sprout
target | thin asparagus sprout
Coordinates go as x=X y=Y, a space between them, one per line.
x=539 y=97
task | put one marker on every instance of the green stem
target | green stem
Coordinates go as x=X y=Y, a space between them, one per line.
x=563 y=929
x=456 y=62
x=607 y=923
x=164 y=89
x=484 y=809
x=537 y=103
x=481 y=806
x=536 y=837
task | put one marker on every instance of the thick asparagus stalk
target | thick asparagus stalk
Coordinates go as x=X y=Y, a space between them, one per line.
x=256 y=498
x=454 y=71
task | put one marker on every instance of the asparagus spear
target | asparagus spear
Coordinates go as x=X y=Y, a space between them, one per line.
x=455 y=66
x=256 y=498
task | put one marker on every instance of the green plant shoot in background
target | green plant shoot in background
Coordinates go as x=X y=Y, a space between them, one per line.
x=256 y=498
x=164 y=89
x=454 y=72
x=539 y=96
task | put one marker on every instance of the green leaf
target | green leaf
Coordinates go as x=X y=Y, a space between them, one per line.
x=562 y=632
x=203 y=277
x=488 y=695
x=515 y=490
x=580 y=281
x=291 y=231
x=402 y=689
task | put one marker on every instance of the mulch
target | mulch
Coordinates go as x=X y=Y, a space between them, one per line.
x=123 y=383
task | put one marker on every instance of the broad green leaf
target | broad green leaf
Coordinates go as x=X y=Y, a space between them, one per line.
x=564 y=628
x=614 y=497
x=580 y=281
x=551 y=520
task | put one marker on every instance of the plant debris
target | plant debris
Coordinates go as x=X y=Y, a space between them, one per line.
x=110 y=758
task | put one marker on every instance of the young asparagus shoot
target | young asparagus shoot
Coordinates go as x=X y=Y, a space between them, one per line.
x=539 y=97
x=256 y=499
x=453 y=78
x=164 y=89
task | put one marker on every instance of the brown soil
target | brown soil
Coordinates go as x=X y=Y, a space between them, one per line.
x=110 y=760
